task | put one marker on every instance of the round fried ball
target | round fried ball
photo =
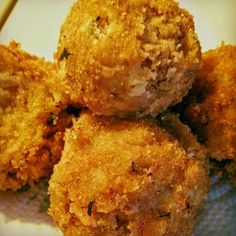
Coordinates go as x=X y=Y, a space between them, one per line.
x=33 y=118
x=128 y=58
x=211 y=107
x=120 y=177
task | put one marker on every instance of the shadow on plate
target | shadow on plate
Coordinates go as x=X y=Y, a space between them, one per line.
x=218 y=217
x=28 y=205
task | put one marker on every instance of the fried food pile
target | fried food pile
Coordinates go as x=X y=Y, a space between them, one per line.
x=32 y=118
x=122 y=167
x=211 y=105
x=119 y=177
x=212 y=108
x=128 y=58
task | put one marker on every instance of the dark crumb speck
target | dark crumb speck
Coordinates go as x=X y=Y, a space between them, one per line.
x=149 y=174
x=50 y=120
x=90 y=208
x=134 y=167
x=147 y=63
x=65 y=54
x=165 y=215
x=73 y=110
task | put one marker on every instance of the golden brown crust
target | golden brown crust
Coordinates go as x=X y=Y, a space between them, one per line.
x=128 y=57
x=32 y=120
x=120 y=177
x=211 y=107
x=172 y=124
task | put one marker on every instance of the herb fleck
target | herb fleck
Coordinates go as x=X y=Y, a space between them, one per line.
x=32 y=198
x=51 y=119
x=165 y=215
x=25 y=188
x=134 y=167
x=42 y=184
x=44 y=205
x=142 y=110
x=90 y=207
x=65 y=54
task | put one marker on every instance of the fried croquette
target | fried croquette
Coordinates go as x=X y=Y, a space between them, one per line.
x=172 y=124
x=128 y=58
x=32 y=118
x=211 y=106
x=120 y=177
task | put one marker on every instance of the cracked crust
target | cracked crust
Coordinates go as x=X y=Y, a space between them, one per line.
x=128 y=58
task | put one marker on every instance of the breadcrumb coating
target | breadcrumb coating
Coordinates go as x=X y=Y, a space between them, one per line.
x=120 y=177
x=128 y=58
x=172 y=124
x=211 y=106
x=32 y=117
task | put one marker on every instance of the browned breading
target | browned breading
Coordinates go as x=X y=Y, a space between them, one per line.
x=128 y=58
x=172 y=124
x=32 y=119
x=119 y=177
x=211 y=107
